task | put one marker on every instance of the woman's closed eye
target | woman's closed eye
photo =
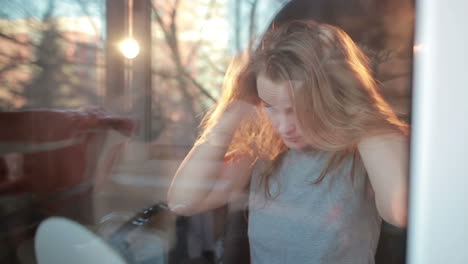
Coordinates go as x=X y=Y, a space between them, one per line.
x=269 y=107
x=265 y=105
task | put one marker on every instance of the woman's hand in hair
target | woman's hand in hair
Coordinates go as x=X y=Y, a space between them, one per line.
x=222 y=131
x=237 y=111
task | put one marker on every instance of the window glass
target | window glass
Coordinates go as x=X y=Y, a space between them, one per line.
x=52 y=54
x=105 y=98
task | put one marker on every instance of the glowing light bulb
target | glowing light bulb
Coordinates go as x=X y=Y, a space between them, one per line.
x=129 y=48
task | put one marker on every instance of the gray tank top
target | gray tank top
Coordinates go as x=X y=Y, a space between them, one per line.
x=335 y=221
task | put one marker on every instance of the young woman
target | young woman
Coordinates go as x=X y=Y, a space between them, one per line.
x=302 y=121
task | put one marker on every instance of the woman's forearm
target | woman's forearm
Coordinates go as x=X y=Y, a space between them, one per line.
x=204 y=178
x=198 y=173
x=386 y=160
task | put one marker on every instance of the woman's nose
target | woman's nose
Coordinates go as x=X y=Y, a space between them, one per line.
x=286 y=125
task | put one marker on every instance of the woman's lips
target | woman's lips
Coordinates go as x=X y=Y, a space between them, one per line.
x=292 y=139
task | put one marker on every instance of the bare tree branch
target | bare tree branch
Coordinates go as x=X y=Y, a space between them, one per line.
x=168 y=75
x=85 y=10
x=174 y=16
x=215 y=67
x=173 y=29
x=170 y=35
x=161 y=23
x=10 y=67
x=195 y=47
x=23 y=43
x=170 y=32
x=237 y=18
x=252 y=25
x=199 y=86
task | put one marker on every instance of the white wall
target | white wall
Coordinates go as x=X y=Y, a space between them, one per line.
x=438 y=230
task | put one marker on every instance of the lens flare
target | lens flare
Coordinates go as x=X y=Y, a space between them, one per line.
x=129 y=48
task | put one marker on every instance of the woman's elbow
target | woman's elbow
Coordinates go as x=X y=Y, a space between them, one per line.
x=180 y=208
x=178 y=204
x=398 y=218
x=395 y=213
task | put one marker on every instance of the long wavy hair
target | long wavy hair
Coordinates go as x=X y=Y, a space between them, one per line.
x=337 y=105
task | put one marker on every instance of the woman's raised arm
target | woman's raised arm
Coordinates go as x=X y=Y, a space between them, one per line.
x=386 y=160
x=206 y=179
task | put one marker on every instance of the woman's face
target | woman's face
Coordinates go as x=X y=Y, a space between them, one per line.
x=278 y=106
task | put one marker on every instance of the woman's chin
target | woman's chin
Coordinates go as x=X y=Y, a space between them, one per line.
x=296 y=145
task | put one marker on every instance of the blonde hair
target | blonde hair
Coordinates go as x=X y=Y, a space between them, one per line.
x=336 y=106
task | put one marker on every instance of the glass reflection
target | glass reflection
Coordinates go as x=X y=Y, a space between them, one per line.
x=97 y=139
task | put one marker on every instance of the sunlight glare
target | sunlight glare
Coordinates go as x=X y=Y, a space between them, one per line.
x=129 y=48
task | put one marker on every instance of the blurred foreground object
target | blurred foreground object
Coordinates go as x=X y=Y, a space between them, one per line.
x=59 y=149
x=60 y=240
x=51 y=162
